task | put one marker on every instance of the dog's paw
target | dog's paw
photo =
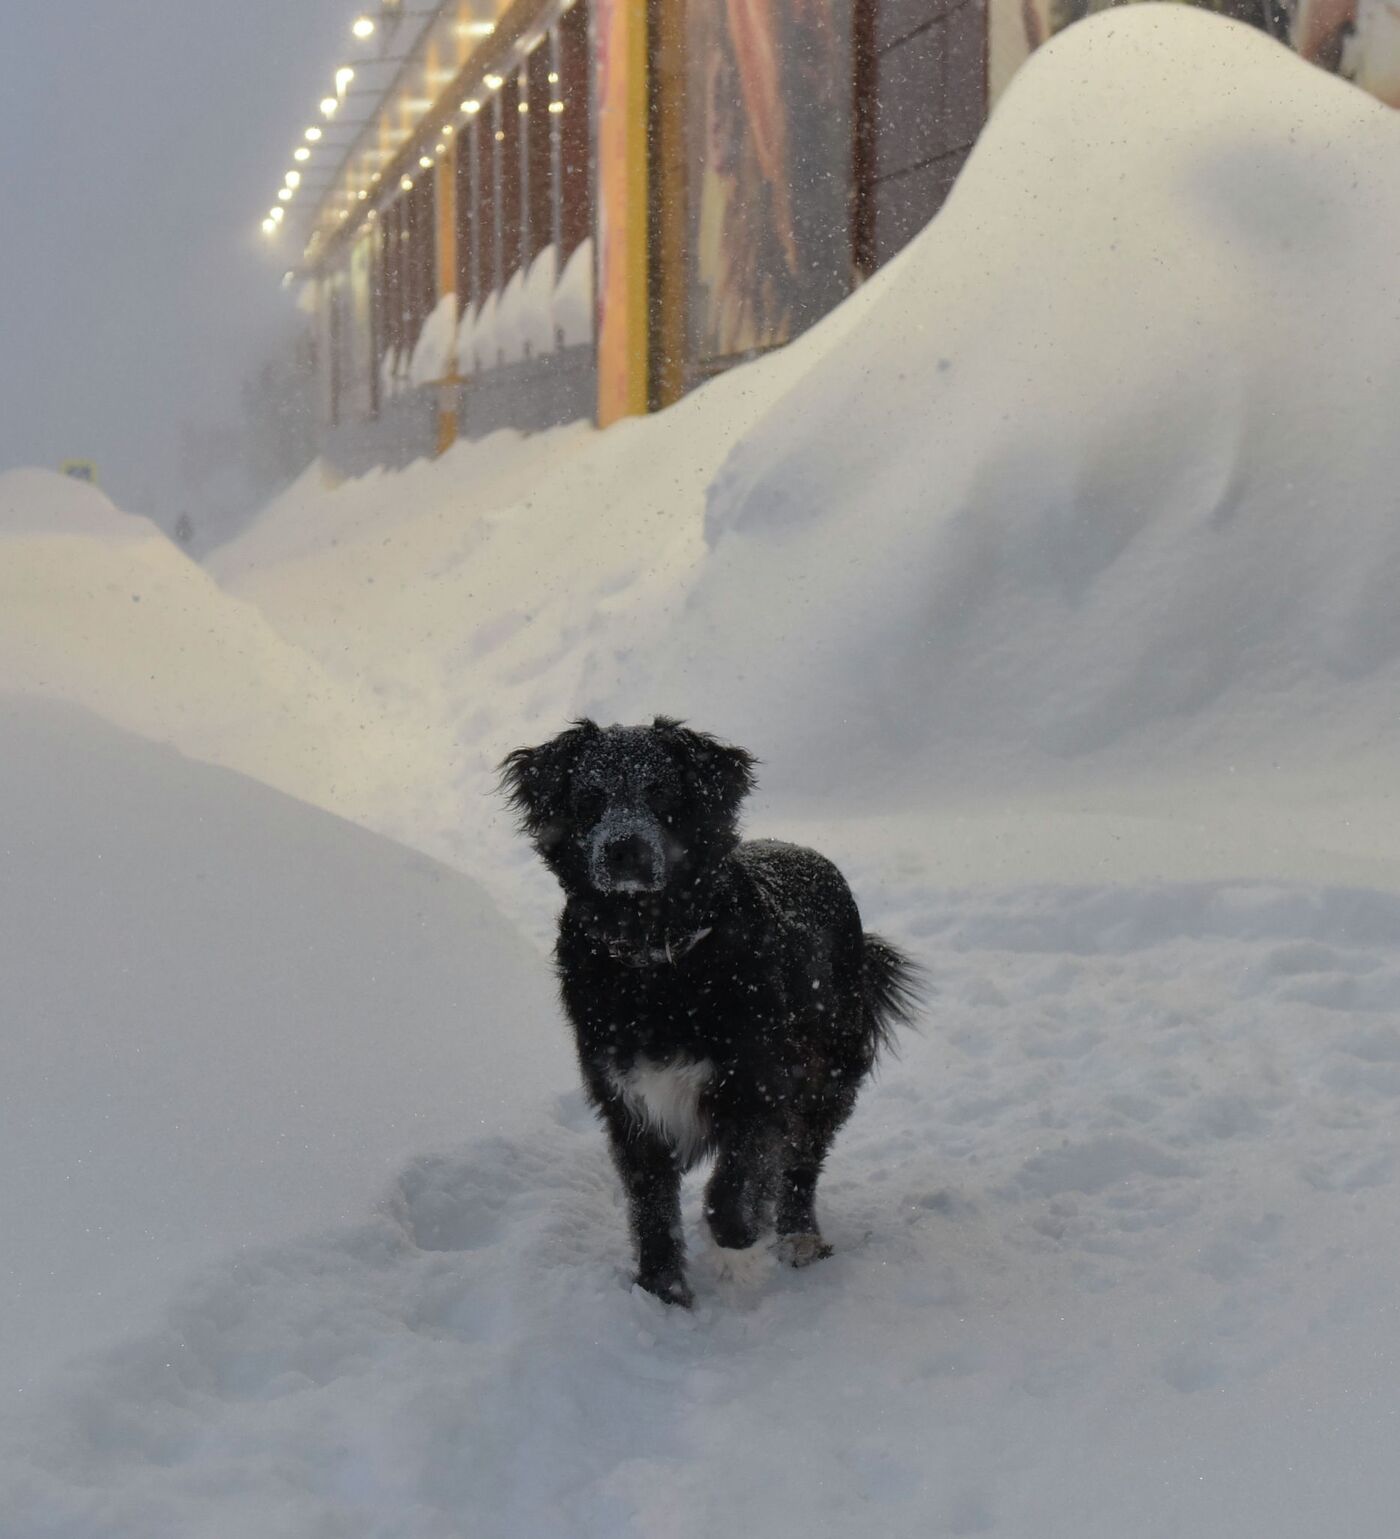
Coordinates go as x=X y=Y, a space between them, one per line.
x=671 y=1288
x=802 y=1249
x=745 y=1267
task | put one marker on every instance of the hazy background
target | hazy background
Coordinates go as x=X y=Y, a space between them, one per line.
x=141 y=144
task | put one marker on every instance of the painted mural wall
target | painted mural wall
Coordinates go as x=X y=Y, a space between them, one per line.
x=770 y=167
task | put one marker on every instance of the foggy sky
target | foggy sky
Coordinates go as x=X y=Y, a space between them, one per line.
x=141 y=144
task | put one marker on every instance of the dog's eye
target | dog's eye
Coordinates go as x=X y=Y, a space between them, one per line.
x=661 y=797
x=588 y=805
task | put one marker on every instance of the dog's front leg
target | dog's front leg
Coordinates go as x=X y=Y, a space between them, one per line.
x=652 y=1181
x=739 y=1188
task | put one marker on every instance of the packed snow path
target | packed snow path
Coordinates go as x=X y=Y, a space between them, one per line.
x=1118 y=1252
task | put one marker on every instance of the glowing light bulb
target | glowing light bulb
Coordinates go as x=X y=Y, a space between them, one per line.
x=407 y=184
x=285 y=193
x=471 y=106
x=328 y=106
x=363 y=27
x=301 y=153
x=343 y=77
x=313 y=134
x=556 y=107
x=275 y=213
x=425 y=161
x=269 y=227
x=293 y=179
x=495 y=82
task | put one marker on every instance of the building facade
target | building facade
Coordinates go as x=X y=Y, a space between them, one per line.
x=563 y=209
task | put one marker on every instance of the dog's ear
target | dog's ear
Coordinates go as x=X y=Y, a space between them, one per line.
x=536 y=780
x=720 y=774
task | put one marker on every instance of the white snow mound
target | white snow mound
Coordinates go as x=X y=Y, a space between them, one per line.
x=99 y=609
x=42 y=502
x=229 y=1018
x=1111 y=463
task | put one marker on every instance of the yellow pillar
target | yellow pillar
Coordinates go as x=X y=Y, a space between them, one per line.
x=621 y=82
x=669 y=211
x=445 y=202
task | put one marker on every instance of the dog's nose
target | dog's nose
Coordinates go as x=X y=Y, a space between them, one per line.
x=630 y=861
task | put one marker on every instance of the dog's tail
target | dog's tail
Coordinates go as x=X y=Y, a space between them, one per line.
x=894 y=988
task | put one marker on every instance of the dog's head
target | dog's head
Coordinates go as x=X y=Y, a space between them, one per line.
x=629 y=812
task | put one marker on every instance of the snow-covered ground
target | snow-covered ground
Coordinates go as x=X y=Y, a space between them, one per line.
x=1116 y=1254
x=1052 y=577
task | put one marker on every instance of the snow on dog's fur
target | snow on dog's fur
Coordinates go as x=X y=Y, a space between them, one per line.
x=723 y=995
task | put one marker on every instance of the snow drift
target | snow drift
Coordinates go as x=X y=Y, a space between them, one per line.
x=228 y=1019
x=99 y=609
x=1110 y=464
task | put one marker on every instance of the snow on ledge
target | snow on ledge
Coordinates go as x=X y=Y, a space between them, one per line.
x=573 y=297
x=511 y=319
x=434 y=356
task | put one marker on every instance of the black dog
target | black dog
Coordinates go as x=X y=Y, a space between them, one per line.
x=723 y=995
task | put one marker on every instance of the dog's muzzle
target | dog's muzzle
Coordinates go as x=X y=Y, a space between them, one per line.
x=631 y=864
x=627 y=860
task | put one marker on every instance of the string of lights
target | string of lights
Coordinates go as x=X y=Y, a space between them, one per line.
x=379 y=139
x=364 y=28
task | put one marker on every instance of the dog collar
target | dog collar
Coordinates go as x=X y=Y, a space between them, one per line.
x=670 y=952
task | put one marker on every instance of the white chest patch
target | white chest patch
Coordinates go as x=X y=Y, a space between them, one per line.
x=666 y=1097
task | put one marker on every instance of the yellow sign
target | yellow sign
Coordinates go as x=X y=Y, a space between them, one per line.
x=80 y=470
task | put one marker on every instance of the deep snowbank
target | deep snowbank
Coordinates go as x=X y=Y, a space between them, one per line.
x=99 y=609
x=1110 y=466
x=41 y=502
x=227 y=1019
